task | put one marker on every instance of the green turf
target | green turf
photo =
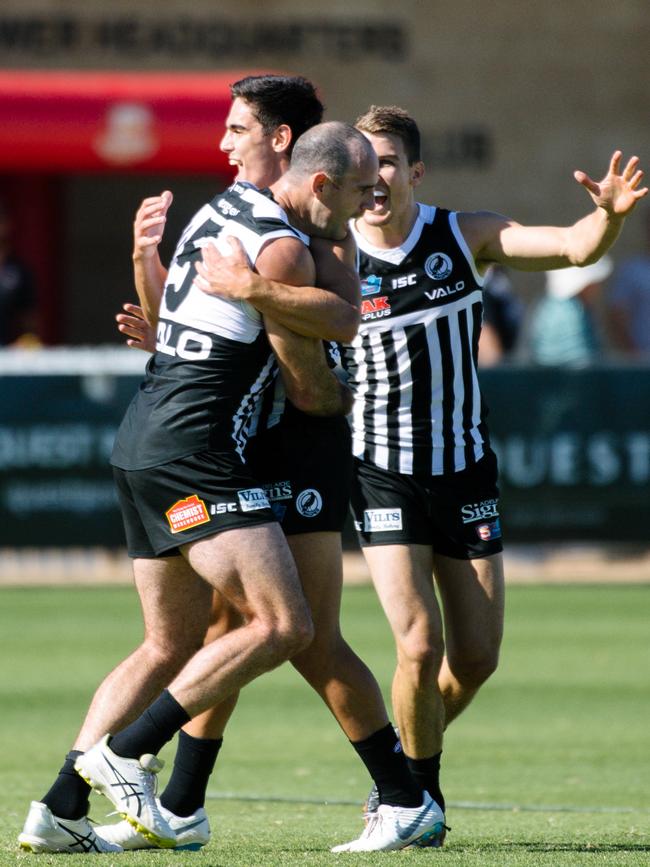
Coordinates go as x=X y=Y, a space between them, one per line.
x=548 y=767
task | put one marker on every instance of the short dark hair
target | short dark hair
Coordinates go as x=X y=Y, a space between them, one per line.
x=281 y=99
x=393 y=120
x=331 y=147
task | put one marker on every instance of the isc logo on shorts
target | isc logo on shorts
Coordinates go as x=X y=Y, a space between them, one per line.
x=252 y=499
x=382 y=520
x=188 y=513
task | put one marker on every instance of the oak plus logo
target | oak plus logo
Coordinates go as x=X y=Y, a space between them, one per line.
x=375 y=308
x=438 y=266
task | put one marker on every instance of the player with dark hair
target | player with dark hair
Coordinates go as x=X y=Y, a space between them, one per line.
x=278 y=100
x=425 y=496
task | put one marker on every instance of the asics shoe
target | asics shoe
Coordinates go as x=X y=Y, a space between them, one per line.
x=45 y=832
x=390 y=828
x=130 y=784
x=192 y=832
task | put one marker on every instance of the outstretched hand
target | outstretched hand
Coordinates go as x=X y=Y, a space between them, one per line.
x=140 y=335
x=617 y=193
x=225 y=275
x=149 y=223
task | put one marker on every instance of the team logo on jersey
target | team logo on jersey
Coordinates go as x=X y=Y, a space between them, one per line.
x=188 y=513
x=382 y=520
x=438 y=266
x=309 y=503
x=491 y=530
x=252 y=499
x=375 y=308
x=480 y=511
x=370 y=285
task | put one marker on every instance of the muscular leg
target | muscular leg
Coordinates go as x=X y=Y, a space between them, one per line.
x=211 y=723
x=472 y=594
x=175 y=606
x=329 y=665
x=402 y=575
x=263 y=585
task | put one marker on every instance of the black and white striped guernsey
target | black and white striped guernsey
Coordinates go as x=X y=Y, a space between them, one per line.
x=213 y=363
x=413 y=365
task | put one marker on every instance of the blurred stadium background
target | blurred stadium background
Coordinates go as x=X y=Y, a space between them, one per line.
x=100 y=106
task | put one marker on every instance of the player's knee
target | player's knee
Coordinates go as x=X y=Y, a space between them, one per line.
x=472 y=670
x=286 y=638
x=169 y=652
x=422 y=657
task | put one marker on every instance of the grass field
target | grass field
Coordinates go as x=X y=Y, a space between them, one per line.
x=550 y=766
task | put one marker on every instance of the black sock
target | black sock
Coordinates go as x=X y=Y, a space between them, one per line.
x=193 y=764
x=426 y=773
x=151 y=731
x=382 y=755
x=68 y=797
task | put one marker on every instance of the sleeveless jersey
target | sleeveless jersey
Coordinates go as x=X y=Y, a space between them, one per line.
x=213 y=360
x=413 y=365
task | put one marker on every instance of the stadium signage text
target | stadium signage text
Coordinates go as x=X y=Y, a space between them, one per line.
x=195 y=37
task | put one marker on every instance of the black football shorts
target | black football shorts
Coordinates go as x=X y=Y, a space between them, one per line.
x=188 y=499
x=304 y=465
x=457 y=514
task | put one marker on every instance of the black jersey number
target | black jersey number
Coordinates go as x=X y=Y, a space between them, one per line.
x=179 y=282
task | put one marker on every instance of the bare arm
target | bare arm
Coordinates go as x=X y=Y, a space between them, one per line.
x=495 y=238
x=310 y=384
x=304 y=309
x=149 y=272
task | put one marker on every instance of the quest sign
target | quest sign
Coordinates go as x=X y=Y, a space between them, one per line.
x=574 y=449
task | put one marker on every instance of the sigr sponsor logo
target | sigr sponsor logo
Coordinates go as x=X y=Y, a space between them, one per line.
x=186 y=514
x=480 y=511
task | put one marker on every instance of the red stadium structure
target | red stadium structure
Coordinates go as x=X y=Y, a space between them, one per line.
x=59 y=123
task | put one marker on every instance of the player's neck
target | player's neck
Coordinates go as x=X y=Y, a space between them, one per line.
x=387 y=236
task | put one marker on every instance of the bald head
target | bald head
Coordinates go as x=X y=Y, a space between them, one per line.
x=334 y=148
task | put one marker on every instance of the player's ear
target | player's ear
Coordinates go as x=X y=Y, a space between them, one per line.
x=417 y=171
x=281 y=138
x=318 y=183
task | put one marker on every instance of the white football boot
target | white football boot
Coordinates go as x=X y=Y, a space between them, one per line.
x=390 y=828
x=45 y=832
x=192 y=832
x=130 y=784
